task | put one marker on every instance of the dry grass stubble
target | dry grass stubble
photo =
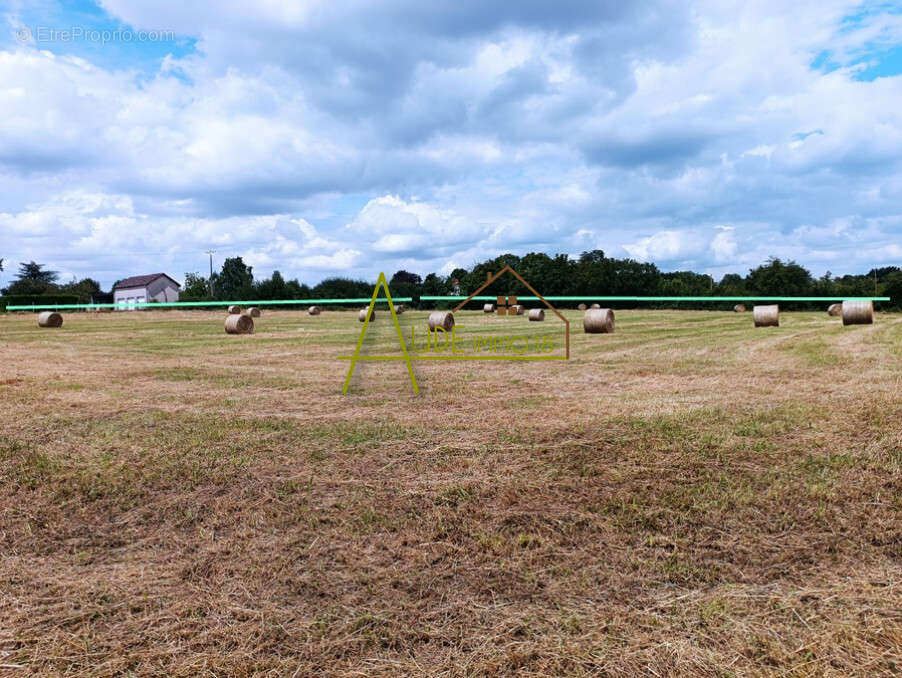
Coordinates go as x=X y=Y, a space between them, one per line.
x=689 y=496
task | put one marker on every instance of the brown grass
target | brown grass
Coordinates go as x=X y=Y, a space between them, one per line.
x=176 y=503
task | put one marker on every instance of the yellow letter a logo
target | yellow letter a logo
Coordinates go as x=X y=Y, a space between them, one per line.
x=381 y=282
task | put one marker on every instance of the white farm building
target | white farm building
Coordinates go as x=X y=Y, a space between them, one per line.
x=142 y=289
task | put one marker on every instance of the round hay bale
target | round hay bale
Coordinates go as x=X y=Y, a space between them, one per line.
x=488 y=308
x=50 y=319
x=253 y=312
x=537 y=314
x=400 y=308
x=582 y=307
x=361 y=315
x=858 y=313
x=834 y=309
x=766 y=316
x=240 y=323
x=517 y=309
x=314 y=310
x=443 y=319
x=598 y=321
x=595 y=306
x=739 y=308
x=234 y=310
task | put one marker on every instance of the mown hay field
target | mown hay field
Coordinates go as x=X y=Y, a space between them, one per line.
x=688 y=496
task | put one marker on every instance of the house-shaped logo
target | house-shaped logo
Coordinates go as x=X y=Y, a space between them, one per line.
x=504 y=305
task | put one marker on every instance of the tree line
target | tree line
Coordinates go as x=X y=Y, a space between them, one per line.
x=590 y=274
x=35 y=283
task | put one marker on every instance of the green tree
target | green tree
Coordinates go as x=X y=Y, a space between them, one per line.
x=686 y=284
x=235 y=282
x=276 y=287
x=825 y=286
x=892 y=288
x=780 y=279
x=633 y=278
x=343 y=288
x=434 y=285
x=540 y=271
x=731 y=285
x=33 y=278
x=406 y=277
x=85 y=289
x=196 y=288
x=273 y=287
x=882 y=274
x=297 y=290
x=854 y=286
x=596 y=274
x=476 y=279
x=405 y=284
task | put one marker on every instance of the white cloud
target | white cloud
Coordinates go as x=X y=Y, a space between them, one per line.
x=392 y=225
x=666 y=246
x=724 y=245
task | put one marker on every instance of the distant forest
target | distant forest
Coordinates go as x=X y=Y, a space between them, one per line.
x=590 y=274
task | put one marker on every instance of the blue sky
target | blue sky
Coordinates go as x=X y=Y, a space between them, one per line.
x=46 y=22
x=322 y=137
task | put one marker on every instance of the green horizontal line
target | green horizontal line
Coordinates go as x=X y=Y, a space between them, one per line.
x=626 y=298
x=189 y=304
x=450 y=357
x=366 y=300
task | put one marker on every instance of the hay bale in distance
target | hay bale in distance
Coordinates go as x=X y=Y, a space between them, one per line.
x=516 y=309
x=253 y=312
x=240 y=323
x=234 y=310
x=443 y=319
x=50 y=319
x=858 y=313
x=595 y=306
x=834 y=309
x=361 y=315
x=488 y=308
x=400 y=308
x=739 y=308
x=598 y=321
x=766 y=316
x=537 y=314
x=582 y=307
x=314 y=310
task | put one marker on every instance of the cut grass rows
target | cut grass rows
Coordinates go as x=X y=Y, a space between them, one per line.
x=689 y=496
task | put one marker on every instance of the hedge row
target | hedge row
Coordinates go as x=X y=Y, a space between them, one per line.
x=36 y=299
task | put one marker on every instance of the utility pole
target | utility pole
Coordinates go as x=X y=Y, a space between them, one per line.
x=210 y=279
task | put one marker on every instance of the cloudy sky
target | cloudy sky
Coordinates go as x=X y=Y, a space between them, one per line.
x=326 y=137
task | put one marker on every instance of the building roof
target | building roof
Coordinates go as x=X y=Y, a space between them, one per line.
x=141 y=281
